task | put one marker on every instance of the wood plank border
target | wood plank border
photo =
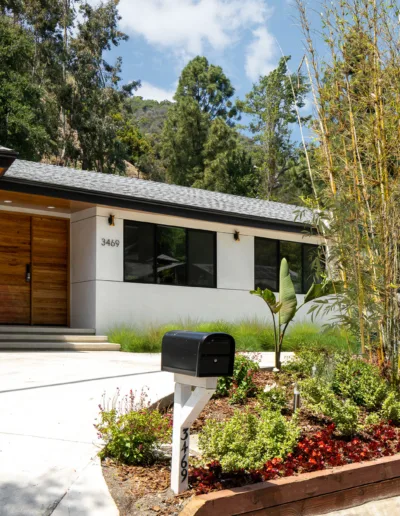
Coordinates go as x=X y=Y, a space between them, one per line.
x=306 y=494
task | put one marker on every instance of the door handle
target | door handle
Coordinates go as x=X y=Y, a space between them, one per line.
x=28 y=273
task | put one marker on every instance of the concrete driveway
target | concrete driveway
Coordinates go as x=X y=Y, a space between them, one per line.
x=48 y=445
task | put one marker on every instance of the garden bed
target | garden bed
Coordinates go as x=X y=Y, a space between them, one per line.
x=335 y=431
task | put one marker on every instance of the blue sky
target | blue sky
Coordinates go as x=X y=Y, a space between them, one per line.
x=242 y=36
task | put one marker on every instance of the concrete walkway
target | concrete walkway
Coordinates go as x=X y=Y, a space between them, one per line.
x=48 y=445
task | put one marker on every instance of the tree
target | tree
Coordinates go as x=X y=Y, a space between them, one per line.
x=356 y=96
x=183 y=139
x=227 y=166
x=272 y=103
x=203 y=94
x=209 y=87
x=92 y=98
x=27 y=118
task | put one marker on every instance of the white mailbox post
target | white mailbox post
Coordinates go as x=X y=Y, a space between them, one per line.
x=188 y=404
x=197 y=360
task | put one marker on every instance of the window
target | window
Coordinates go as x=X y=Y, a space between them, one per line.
x=266 y=263
x=311 y=266
x=169 y=255
x=201 y=258
x=139 y=252
x=292 y=252
x=303 y=263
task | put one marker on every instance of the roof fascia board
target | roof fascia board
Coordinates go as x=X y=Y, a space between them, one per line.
x=153 y=206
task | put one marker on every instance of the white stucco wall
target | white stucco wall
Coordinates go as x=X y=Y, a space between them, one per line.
x=107 y=301
x=83 y=260
x=100 y=298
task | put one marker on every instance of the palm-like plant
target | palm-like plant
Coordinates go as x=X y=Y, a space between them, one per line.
x=286 y=308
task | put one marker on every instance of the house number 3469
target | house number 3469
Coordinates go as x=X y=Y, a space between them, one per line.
x=109 y=242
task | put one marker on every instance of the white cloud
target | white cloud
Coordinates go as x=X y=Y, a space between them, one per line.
x=260 y=54
x=189 y=25
x=149 y=91
x=308 y=105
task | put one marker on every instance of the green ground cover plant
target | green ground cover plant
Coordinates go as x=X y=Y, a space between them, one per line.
x=361 y=382
x=249 y=334
x=274 y=399
x=247 y=441
x=320 y=398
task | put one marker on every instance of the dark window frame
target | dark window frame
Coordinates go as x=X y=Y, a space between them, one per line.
x=155 y=247
x=279 y=259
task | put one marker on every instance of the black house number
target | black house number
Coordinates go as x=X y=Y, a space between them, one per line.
x=111 y=243
x=184 y=449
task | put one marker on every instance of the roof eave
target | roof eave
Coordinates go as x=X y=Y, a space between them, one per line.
x=153 y=206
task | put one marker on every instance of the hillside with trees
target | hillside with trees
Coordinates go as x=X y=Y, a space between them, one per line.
x=62 y=102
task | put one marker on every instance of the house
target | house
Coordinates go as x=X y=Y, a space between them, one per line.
x=90 y=250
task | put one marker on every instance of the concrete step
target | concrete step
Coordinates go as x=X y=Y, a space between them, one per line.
x=41 y=330
x=35 y=337
x=58 y=346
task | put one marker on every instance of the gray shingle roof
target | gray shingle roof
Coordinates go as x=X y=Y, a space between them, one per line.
x=139 y=189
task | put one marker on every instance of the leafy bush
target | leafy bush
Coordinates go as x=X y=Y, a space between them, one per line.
x=391 y=408
x=241 y=385
x=247 y=441
x=274 y=399
x=301 y=365
x=320 y=399
x=361 y=382
x=372 y=419
x=133 y=437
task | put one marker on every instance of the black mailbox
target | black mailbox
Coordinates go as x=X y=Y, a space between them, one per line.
x=198 y=354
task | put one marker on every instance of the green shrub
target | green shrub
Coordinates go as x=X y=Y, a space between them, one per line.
x=132 y=438
x=274 y=399
x=301 y=365
x=247 y=441
x=241 y=385
x=319 y=397
x=391 y=408
x=361 y=382
x=373 y=418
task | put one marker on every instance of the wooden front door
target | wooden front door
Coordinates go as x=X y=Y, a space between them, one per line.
x=34 y=270
x=50 y=271
x=15 y=259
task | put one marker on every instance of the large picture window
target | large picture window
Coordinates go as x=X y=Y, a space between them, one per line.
x=302 y=259
x=266 y=254
x=169 y=255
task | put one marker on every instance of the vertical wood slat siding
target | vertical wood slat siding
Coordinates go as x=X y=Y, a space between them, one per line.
x=50 y=263
x=15 y=254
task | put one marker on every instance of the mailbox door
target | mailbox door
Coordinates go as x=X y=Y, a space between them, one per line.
x=217 y=354
x=215 y=365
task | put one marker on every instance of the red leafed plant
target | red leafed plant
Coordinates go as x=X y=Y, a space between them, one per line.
x=320 y=451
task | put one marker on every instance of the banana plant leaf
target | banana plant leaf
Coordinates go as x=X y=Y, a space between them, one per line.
x=287 y=295
x=269 y=297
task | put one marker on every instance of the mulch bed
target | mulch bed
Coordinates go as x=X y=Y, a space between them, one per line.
x=141 y=490
x=145 y=490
